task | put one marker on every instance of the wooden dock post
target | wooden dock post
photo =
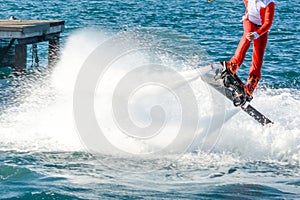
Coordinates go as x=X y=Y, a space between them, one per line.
x=53 y=51
x=26 y=32
x=20 y=58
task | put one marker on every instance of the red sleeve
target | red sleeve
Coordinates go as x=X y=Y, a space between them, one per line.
x=246 y=5
x=268 y=19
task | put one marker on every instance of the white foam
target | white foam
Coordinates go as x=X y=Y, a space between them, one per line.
x=280 y=141
x=44 y=120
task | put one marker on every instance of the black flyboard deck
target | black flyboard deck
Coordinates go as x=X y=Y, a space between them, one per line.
x=209 y=76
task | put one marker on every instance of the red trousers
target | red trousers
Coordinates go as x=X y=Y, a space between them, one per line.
x=259 y=47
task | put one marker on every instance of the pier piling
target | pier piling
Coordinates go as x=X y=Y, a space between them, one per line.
x=20 y=33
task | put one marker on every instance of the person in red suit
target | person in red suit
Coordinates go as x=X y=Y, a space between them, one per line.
x=257 y=22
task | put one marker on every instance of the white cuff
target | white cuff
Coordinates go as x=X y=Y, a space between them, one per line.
x=255 y=35
x=244 y=17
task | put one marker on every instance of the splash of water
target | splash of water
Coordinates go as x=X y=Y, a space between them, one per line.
x=43 y=121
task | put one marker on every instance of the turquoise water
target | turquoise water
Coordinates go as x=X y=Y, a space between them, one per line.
x=42 y=157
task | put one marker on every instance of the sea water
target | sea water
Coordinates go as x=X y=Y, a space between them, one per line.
x=44 y=156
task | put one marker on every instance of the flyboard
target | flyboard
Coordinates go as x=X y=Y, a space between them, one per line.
x=231 y=87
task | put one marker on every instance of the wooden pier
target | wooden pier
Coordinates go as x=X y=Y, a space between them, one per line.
x=20 y=33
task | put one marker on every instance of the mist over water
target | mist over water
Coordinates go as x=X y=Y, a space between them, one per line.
x=45 y=115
